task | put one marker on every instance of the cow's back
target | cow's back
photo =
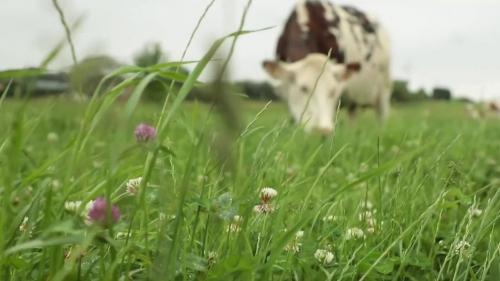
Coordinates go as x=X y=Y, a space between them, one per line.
x=349 y=35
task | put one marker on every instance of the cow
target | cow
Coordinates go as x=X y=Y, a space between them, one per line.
x=493 y=108
x=327 y=51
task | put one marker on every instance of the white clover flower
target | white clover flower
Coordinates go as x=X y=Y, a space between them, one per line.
x=212 y=258
x=295 y=245
x=55 y=184
x=367 y=205
x=371 y=222
x=72 y=206
x=330 y=218
x=121 y=235
x=461 y=247
x=365 y=215
x=24 y=225
x=263 y=209
x=475 y=212
x=88 y=206
x=363 y=167
x=133 y=186
x=162 y=216
x=267 y=194
x=324 y=256
x=395 y=149
x=354 y=233
x=235 y=225
x=52 y=137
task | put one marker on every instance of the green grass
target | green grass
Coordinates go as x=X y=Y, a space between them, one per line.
x=423 y=172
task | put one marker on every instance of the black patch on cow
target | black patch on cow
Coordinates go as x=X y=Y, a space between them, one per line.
x=367 y=25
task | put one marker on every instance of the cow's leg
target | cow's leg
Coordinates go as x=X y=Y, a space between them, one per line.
x=351 y=110
x=383 y=105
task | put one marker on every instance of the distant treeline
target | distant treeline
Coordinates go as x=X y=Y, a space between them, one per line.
x=85 y=80
x=86 y=75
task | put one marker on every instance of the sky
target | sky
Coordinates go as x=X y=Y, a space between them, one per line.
x=451 y=43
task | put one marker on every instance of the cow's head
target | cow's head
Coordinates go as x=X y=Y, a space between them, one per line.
x=312 y=88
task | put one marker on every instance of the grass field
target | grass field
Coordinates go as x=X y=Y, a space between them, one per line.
x=416 y=199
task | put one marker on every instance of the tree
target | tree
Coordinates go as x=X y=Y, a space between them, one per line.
x=441 y=94
x=151 y=54
x=400 y=92
x=86 y=75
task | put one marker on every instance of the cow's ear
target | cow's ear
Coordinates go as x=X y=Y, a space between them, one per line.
x=350 y=69
x=277 y=70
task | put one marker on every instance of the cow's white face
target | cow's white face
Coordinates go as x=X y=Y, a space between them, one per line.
x=312 y=88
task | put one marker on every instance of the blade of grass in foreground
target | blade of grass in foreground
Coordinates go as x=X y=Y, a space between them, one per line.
x=192 y=78
x=4 y=93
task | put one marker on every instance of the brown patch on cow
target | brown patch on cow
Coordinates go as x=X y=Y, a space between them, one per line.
x=494 y=106
x=276 y=70
x=351 y=69
x=295 y=44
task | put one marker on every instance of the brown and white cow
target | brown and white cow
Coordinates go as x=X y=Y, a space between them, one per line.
x=312 y=82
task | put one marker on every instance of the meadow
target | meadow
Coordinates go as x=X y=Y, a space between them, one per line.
x=414 y=199
x=109 y=188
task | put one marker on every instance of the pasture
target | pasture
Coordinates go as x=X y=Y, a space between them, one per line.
x=416 y=199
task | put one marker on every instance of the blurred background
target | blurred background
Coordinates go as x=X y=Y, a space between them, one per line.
x=448 y=46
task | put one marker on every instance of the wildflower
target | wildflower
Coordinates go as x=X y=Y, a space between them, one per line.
x=395 y=149
x=162 y=216
x=235 y=225
x=72 y=206
x=364 y=167
x=475 y=212
x=24 y=225
x=121 y=235
x=98 y=212
x=55 y=184
x=212 y=258
x=52 y=137
x=97 y=164
x=144 y=133
x=365 y=215
x=267 y=194
x=76 y=251
x=133 y=186
x=472 y=111
x=263 y=209
x=354 y=233
x=330 y=218
x=461 y=247
x=367 y=205
x=324 y=256
x=294 y=245
x=371 y=222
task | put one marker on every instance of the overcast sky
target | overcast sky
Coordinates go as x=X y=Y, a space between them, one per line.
x=453 y=43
